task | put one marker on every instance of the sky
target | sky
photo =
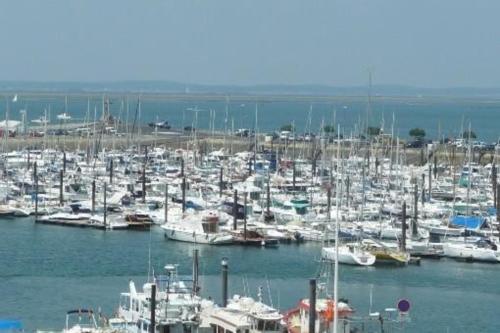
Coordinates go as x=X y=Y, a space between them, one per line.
x=425 y=43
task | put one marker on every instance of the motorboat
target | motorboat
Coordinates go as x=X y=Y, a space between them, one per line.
x=201 y=228
x=242 y=314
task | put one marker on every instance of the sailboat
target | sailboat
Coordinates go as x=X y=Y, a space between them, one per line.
x=349 y=254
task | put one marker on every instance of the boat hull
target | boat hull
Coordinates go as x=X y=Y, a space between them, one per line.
x=178 y=234
x=355 y=257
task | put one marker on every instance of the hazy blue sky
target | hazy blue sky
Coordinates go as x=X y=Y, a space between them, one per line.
x=431 y=43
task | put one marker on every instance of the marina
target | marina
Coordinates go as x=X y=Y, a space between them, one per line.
x=249 y=166
x=386 y=207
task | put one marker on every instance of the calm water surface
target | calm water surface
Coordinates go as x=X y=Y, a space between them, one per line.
x=445 y=116
x=46 y=270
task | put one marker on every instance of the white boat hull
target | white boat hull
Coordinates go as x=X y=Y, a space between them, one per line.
x=347 y=256
x=471 y=252
x=177 y=233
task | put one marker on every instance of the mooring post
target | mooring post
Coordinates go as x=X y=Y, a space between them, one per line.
x=430 y=181
x=152 y=324
x=221 y=184
x=312 y=305
x=93 y=197
x=64 y=161
x=111 y=171
x=423 y=189
x=195 y=271
x=61 y=187
x=235 y=209
x=183 y=194
x=225 y=270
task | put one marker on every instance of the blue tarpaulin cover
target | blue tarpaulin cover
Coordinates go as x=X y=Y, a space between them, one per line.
x=7 y=324
x=469 y=222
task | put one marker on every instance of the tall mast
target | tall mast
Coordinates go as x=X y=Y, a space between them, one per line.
x=336 y=264
x=369 y=101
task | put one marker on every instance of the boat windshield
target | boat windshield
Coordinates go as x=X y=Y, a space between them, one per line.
x=268 y=325
x=209 y=228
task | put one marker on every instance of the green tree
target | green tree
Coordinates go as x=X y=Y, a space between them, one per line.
x=469 y=134
x=373 y=131
x=329 y=129
x=417 y=133
x=287 y=127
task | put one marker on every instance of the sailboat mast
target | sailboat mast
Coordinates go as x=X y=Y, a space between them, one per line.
x=336 y=264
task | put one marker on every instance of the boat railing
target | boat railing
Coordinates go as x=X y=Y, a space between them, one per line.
x=177 y=284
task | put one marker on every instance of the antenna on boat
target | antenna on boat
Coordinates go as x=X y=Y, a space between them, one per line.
x=371 y=299
x=150 y=269
x=269 y=291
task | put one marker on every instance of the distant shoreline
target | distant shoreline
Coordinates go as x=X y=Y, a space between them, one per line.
x=249 y=98
x=188 y=89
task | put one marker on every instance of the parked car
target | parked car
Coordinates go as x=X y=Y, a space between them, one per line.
x=161 y=124
x=243 y=132
x=478 y=145
x=309 y=137
x=415 y=144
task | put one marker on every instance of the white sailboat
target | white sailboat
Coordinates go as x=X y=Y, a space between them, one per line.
x=471 y=252
x=349 y=254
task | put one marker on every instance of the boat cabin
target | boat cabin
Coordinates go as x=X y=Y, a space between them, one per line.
x=242 y=315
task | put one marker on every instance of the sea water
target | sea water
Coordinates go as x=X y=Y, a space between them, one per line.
x=47 y=270
x=443 y=117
